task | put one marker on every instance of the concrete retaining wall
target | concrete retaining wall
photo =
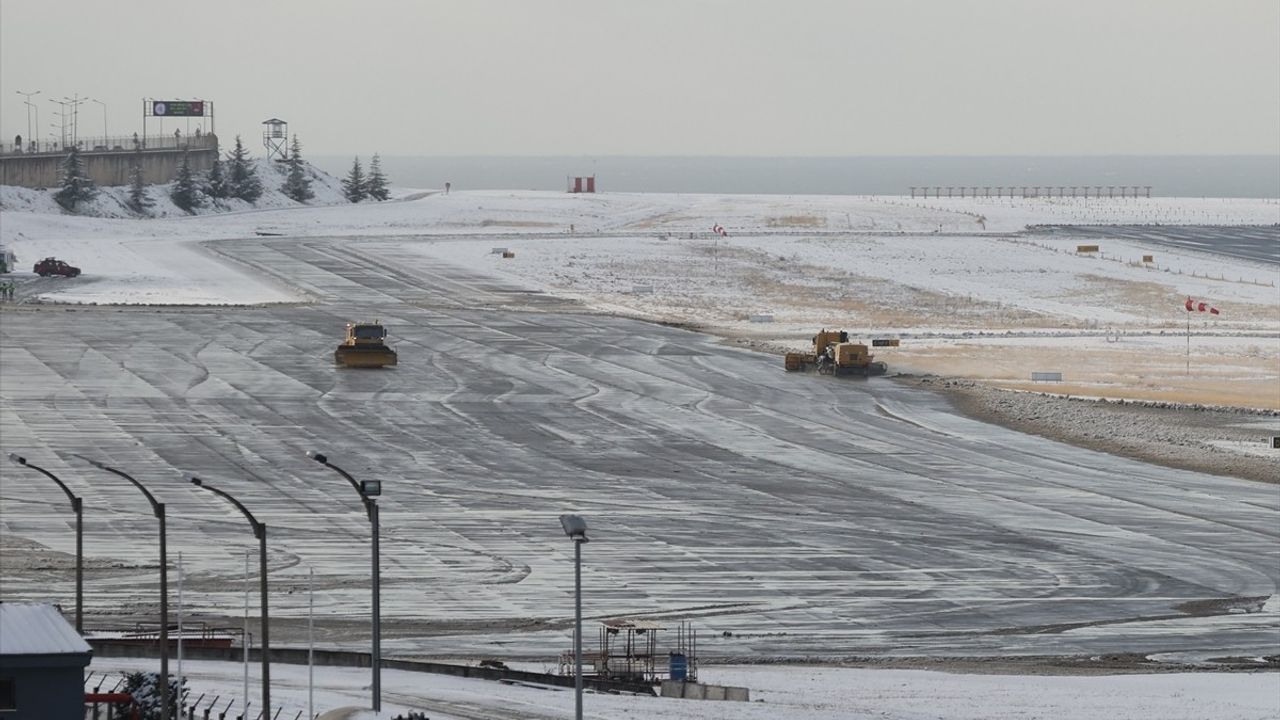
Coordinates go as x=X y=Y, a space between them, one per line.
x=107 y=167
x=702 y=691
x=339 y=658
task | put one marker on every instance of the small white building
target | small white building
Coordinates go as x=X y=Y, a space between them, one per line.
x=42 y=662
x=8 y=261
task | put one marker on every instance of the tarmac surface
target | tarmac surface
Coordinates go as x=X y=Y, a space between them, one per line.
x=785 y=515
x=1250 y=242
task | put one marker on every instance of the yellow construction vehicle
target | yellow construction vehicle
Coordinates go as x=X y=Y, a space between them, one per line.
x=364 y=347
x=833 y=354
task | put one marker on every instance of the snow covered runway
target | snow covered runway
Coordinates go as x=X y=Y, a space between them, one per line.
x=787 y=515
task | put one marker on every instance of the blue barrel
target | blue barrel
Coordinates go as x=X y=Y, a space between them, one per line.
x=679 y=666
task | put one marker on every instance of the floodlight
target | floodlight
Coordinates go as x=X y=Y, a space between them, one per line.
x=574 y=526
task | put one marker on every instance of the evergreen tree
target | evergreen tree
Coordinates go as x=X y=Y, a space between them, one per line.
x=355 y=183
x=376 y=183
x=242 y=181
x=186 y=192
x=138 y=200
x=77 y=187
x=145 y=689
x=216 y=185
x=297 y=185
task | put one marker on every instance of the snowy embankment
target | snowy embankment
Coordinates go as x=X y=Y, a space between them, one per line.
x=777 y=693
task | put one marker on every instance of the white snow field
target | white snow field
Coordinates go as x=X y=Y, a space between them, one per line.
x=777 y=693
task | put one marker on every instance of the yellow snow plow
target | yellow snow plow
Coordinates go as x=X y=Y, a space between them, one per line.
x=364 y=347
x=833 y=354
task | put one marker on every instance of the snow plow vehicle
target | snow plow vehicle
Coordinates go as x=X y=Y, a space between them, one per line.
x=53 y=266
x=364 y=347
x=833 y=354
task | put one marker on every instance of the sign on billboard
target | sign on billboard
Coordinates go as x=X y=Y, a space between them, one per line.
x=177 y=108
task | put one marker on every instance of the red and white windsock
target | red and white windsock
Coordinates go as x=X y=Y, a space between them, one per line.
x=1194 y=306
x=719 y=230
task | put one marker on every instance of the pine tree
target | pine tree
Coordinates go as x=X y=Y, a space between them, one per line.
x=376 y=183
x=355 y=183
x=145 y=689
x=77 y=187
x=186 y=192
x=138 y=199
x=215 y=184
x=297 y=185
x=242 y=181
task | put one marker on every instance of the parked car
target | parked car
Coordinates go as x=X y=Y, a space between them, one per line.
x=53 y=266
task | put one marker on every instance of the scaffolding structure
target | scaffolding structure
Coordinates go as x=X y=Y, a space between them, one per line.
x=629 y=651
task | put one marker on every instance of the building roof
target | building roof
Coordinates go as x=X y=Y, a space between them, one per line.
x=37 y=630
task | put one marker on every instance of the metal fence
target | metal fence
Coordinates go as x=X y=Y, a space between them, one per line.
x=205 y=141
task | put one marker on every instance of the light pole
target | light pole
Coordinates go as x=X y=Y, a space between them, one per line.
x=75 y=102
x=63 y=119
x=104 y=122
x=27 y=101
x=576 y=528
x=158 y=509
x=78 y=507
x=260 y=532
x=369 y=490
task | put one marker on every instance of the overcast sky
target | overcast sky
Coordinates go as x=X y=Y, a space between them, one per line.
x=668 y=77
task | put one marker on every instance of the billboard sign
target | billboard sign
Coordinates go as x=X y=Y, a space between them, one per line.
x=177 y=108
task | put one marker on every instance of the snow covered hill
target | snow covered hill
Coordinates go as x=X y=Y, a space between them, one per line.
x=110 y=202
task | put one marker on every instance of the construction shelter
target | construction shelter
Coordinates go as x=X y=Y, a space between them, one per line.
x=636 y=651
x=581 y=184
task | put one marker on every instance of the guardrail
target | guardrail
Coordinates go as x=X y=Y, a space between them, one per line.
x=203 y=141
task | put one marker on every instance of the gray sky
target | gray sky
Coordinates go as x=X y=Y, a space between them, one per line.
x=668 y=77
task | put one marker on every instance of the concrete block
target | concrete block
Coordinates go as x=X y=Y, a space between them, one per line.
x=695 y=691
x=739 y=694
x=715 y=692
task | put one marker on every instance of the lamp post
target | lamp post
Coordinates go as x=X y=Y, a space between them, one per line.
x=78 y=507
x=369 y=490
x=27 y=101
x=260 y=532
x=62 y=128
x=576 y=528
x=105 y=142
x=158 y=509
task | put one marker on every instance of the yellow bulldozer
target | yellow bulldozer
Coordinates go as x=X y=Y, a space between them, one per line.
x=833 y=354
x=364 y=347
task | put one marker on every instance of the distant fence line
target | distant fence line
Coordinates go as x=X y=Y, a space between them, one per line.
x=128 y=143
x=1031 y=191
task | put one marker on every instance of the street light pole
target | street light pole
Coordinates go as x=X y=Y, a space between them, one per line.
x=104 y=122
x=158 y=509
x=576 y=528
x=368 y=490
x=78 y=507
x=27 y=101
x=260 y=532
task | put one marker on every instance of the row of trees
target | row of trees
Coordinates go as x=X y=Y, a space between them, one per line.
x=234 y=177
x=359 y=186
x=237 y=180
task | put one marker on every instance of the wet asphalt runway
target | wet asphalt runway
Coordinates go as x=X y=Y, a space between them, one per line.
x=785 y=514
x=1260 y=243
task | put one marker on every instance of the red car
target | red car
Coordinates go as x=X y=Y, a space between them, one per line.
x=52 y=266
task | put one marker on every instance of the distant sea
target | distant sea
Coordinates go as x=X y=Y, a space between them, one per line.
x=1168 y=175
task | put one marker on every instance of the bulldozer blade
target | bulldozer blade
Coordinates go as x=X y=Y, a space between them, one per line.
x=353 y=357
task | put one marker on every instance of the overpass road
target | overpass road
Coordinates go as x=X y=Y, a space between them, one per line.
x=784 y=514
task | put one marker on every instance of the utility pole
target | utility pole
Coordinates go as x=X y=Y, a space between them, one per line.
x=27 y=101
